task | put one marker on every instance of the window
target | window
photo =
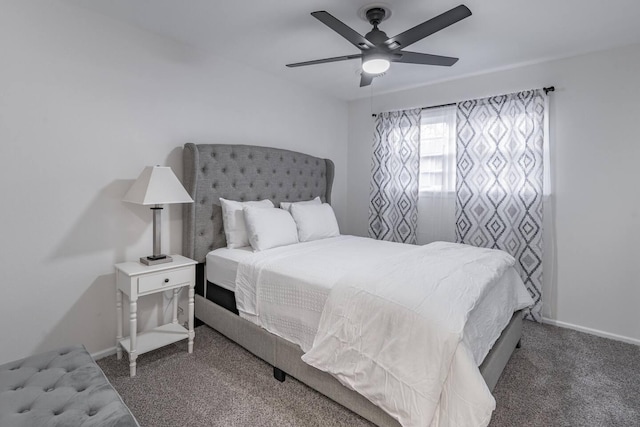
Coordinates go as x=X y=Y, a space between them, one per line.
x=437 y=181
x=438 y=150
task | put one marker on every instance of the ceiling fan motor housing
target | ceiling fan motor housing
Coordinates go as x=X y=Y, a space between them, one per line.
x=376 y=36
x=375 y=15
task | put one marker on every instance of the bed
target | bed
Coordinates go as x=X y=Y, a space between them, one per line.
x=243 y=173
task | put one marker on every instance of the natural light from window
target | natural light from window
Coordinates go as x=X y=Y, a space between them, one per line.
x=437 y=150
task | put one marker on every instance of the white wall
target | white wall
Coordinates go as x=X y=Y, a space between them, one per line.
x=595 y=156
x=85 y=104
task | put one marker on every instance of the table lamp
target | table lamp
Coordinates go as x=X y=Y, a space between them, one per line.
x=156 y=186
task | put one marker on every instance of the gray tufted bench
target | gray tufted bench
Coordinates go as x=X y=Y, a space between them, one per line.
x=59 y=388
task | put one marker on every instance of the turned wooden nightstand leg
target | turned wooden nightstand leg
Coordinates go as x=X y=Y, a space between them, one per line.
x=119 y=323
x=192 y=334
x=175 y=305
x=133 y=325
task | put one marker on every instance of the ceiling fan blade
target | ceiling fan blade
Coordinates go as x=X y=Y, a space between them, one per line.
x=365 y=79
x=424 y=58
x=324 y=61
x=429 y=27
x=341 y=28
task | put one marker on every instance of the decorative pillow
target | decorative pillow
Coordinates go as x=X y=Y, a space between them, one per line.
x=315 y=221
x=269 y=228
x=235 y=229
x=287 y=205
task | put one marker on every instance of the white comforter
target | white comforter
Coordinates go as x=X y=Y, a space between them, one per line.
x=284 y=289
x=404 y=350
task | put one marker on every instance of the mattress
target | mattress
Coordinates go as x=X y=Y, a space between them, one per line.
x=295 y=282
x=222 y=266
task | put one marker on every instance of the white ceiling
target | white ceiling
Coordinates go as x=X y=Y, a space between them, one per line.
x=269 y=34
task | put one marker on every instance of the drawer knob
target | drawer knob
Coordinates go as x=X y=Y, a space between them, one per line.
x=166 y=280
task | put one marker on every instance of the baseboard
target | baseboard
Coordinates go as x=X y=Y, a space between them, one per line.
x=112 y=350
x=103 y=353
x=591 y=331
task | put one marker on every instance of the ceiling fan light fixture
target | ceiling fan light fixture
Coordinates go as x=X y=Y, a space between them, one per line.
x=375 y=65
x=378 y=50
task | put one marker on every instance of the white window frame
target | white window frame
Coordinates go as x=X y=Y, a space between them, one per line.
x=437 y=150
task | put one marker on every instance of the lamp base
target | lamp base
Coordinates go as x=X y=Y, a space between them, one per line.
x=155 y=259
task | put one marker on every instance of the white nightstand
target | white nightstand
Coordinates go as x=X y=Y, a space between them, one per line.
x=135 y=280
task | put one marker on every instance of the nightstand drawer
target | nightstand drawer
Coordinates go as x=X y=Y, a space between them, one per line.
x=153 y=282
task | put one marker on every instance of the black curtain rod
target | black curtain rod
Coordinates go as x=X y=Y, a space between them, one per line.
x=545 y=89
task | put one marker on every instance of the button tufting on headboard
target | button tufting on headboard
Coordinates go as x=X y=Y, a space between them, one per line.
x=243 y=172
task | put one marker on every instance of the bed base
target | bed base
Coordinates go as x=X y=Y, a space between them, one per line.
x=284 y=356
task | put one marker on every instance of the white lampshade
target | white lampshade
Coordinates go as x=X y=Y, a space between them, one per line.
x=157 y=185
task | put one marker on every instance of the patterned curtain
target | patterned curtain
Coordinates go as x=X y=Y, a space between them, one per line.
x=393 y=206
x=499 y=181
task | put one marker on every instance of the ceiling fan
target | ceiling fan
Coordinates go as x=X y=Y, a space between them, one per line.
x=378 y=50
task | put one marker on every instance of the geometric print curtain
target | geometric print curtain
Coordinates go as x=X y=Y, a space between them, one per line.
x=393 y=202
x=499 y=181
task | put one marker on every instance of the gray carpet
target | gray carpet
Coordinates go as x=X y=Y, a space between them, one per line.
x=558 y=378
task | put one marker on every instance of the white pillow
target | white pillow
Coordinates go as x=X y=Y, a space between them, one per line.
x=233 y=220
x=287 y=205
x=269 y=228
x=315 y=221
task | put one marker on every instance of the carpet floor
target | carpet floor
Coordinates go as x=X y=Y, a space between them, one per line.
x=558 y=378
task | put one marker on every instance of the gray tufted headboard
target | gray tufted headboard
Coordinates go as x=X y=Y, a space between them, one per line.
x=243 y=172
